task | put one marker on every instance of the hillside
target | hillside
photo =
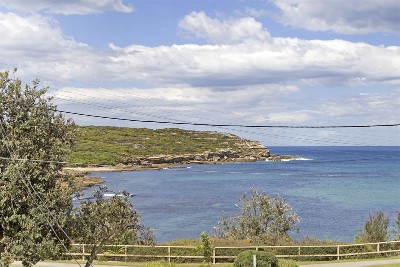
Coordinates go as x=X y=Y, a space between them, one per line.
x=131 y=146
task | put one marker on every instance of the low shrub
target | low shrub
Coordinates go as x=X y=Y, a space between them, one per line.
x=160 y=264
x=287 y=263
x=264 y=259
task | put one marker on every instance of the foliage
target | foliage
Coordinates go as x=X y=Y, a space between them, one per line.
x=206 y=247
x=398 y=225
x=262 y=220
x=33 y=206
x=111 y=145
x=101 y=220
x=263 y=258
x=160 y=264
x=375 y=229
x=287 y=263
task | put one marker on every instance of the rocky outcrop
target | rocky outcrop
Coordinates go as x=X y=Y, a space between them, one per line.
x=247 y=151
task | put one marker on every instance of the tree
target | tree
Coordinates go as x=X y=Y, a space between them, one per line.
x=206 y=248
x=261 y=219
x=101 y=220
x=398 y=226
x=34 y=208
x=375 y=228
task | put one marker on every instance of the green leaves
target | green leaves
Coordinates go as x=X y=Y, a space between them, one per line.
x=103 y=219
x=375 y=228
x=34 y=209
x=262 y=220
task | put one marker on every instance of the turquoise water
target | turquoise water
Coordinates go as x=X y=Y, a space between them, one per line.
x=333 y=189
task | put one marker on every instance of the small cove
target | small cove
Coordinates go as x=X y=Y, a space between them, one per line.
x=334 y=189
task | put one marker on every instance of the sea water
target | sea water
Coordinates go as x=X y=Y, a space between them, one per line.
x=332 y=189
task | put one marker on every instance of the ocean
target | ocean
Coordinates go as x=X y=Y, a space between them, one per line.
x=332 y=189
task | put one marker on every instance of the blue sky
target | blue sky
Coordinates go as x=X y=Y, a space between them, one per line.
x=265 y=62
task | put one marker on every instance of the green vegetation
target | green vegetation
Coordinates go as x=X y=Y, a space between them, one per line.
x=375 y=229
x=206 y=247
x=102 y=220
x=34 y=207
x=398 y=226
x=262 y=220
x=263 y=258
x=111 y=145
x=287 y=263
x=387 y=265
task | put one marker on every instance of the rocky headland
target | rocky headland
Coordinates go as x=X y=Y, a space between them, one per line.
x=125 y=149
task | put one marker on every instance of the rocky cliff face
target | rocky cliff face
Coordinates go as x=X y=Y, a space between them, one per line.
x=245 y=151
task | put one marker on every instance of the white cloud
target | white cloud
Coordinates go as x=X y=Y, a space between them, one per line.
x=283 y=60
x=216 y=31
x=251 y=82
x=67 y=7
x=373 y=106
x=341 y=16
x=37 y=43
x=286 y=117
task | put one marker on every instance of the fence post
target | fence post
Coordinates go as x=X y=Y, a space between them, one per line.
x=377 y=247
x=83 y=252
x=299 y=251
x=338 y=252
x=214 y=255
x=169 y=254
x=126 y=253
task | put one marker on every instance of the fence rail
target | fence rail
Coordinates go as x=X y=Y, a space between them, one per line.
x=228 y=254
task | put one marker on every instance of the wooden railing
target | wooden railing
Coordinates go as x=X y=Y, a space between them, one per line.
x=228 y=254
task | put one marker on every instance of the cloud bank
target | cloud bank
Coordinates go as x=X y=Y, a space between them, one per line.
x=220 y=66
x=242 y=73
x=341 y=16
x=67 y=7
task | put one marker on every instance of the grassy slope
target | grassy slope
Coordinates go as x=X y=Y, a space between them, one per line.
x=108 y=145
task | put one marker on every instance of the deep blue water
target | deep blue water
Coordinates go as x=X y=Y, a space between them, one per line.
x=333 y=191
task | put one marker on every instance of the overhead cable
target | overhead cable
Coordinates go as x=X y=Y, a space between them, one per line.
x=230 y=125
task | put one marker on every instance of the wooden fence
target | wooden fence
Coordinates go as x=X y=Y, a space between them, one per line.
x=181 y=254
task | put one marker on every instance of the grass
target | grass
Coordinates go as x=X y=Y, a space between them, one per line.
x=143 y=264
x=351 y=260
x=387 y=265
x=111 y=145
x=166 y=264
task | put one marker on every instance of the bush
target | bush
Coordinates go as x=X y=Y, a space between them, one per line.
x=264 y=259
x=287 y=263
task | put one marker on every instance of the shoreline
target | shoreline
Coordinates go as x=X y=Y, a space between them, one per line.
x=161 y=166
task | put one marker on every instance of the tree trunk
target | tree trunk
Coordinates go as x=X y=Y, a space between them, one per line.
x=94 y=252
x=92 y=256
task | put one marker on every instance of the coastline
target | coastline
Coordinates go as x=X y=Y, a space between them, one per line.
x=82 y=174
x=160 y=166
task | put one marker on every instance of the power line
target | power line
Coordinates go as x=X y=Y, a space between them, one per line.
x=299 y=137
x=280 y=136
x=230 y=125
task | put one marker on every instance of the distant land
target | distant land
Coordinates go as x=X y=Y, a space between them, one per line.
x=146 y=148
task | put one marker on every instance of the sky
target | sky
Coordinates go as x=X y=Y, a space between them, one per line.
x=253 y=62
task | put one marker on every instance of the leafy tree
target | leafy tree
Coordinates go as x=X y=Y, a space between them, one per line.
x=34 y=208
x=99 y=221
x=375 y=228
x=206 y=248
x=398 y=225
x=262 y=219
